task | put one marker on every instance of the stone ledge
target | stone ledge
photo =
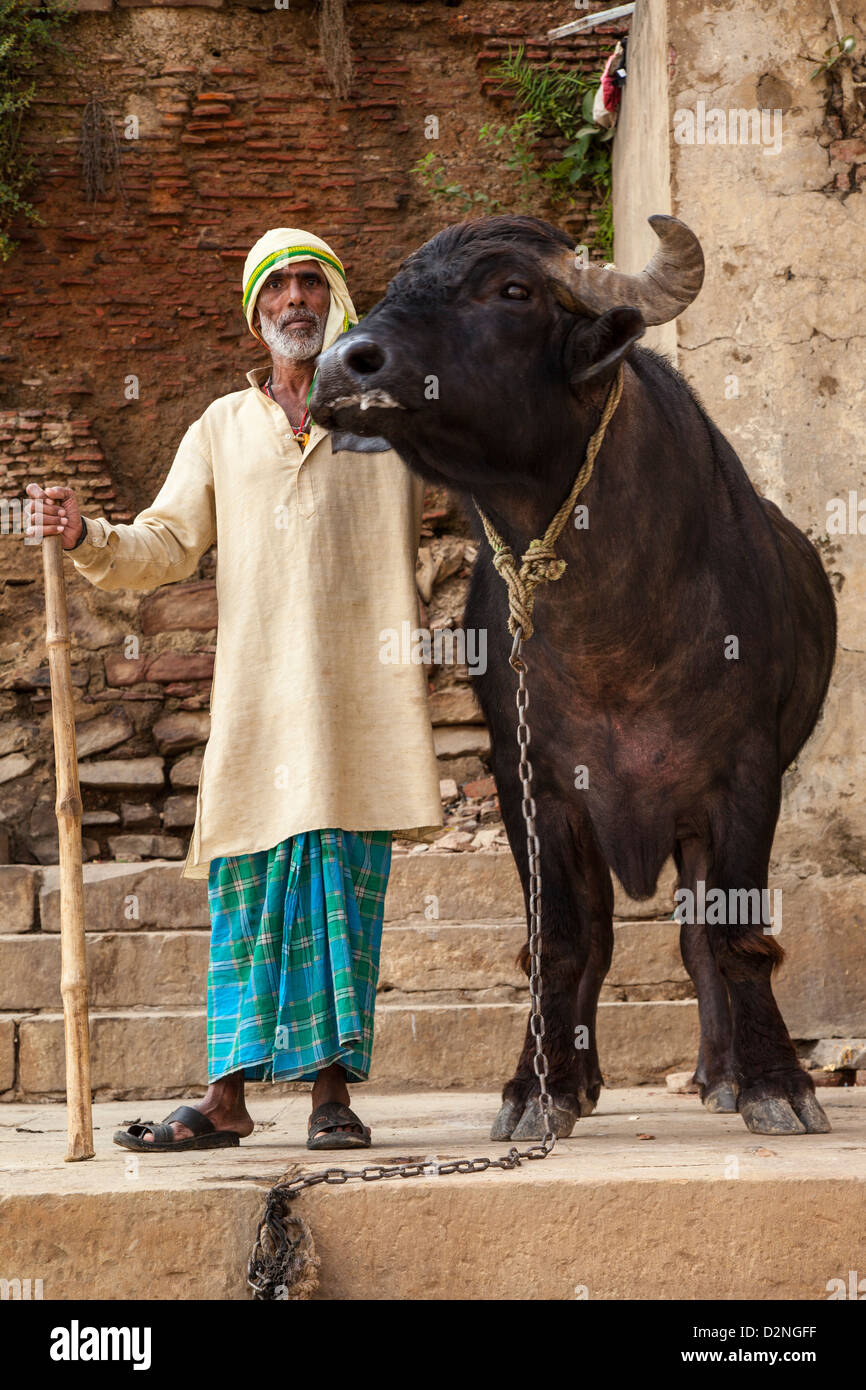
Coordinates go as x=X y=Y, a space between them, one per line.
x=765 y=1236
x=124 y=970
x=164 y=899
x=483 y=884
x=445 y=962
x=150 y=1051
x=471 y=887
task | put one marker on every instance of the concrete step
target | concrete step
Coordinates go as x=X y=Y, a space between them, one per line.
x=168 y=969
x=140 y=1052
x=606 y=1217
x=481 y=886
x=821 y=987
x=154 y=969
x=442 y=955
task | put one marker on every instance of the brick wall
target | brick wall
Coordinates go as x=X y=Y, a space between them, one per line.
x=120 y=321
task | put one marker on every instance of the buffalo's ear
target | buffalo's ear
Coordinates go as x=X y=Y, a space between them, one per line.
x=596 y=350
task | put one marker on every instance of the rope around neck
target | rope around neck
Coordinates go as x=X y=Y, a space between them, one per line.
x=539 y=564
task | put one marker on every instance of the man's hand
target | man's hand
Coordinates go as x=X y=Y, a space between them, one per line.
x=53 y=511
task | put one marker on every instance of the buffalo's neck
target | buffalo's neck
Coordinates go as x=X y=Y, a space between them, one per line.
x=636 y=562
x=651 y=482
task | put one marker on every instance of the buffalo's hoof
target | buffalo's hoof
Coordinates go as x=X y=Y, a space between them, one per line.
x=811 y=1113
x=587 y=1100
x=770 y=1115
x=798 y=1112
x=531 y=1124
x=506 y=1120
x=720 y=1099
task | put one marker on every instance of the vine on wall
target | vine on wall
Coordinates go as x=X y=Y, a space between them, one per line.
x=29 y=36
x=100 y=151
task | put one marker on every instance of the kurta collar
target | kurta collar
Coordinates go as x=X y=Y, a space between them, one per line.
x=257 y=378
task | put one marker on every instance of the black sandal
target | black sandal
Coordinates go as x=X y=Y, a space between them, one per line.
x=324 y=1128
x=204 y=1134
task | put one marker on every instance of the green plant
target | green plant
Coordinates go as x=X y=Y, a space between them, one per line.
x=560 y=104
x=832 y=55
x=552 y=97
x=604 y=224
x=430 y=169
x=28 y=36
x=519 y=139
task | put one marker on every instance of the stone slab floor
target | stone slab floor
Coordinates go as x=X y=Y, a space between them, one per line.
x=652 y=1198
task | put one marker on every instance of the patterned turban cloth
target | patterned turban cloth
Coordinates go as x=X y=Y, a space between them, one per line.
x=280 y=247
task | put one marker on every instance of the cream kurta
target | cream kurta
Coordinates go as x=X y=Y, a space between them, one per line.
x=316 y=559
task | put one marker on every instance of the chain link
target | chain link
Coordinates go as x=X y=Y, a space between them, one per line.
x=279 y=1196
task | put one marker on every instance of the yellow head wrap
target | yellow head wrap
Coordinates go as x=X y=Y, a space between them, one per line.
x=282 y=245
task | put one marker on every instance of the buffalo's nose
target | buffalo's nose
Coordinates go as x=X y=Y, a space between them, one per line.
x=362 y=356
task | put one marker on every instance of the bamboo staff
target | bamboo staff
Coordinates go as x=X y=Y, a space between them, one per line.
x=73 y=967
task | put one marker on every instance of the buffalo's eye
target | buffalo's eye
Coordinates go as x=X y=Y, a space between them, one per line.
x=514 y=291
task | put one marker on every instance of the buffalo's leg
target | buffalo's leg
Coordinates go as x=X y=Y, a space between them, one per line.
x=591 y=981
x=776 y=1096
x=714 y=1072
x=576 y=944
x=597 y=907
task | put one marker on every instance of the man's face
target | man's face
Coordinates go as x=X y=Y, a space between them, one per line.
x=292 y=310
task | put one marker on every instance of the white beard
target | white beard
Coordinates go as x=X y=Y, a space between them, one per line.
x=298 y=344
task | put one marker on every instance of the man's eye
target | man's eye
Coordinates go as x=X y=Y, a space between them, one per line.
x=515 y=291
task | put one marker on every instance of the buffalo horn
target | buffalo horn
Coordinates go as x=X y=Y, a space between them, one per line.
x=667 y=286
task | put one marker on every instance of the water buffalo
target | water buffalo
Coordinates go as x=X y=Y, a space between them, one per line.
x=681 y=660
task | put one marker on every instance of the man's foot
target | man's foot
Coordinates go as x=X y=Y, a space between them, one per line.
x=334 y=1126
x=330 y=1085
x=223 y=1104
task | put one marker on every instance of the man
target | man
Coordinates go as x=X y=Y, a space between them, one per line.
x=318 y=750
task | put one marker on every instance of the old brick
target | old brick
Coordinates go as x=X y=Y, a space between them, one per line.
x=177 y=606
x=175 y=732
x=455 y=705
x=178 y=811
x=41 y=678
x=454 y=741
x=106 y=731
x=15 y=765
x=181 y=666
x=138 y=813
x=134 y=847
x=186 y=771
x=19 y=885
x=123 y=773
x=484 y=786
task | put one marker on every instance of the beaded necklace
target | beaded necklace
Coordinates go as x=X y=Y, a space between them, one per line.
x=301 y=431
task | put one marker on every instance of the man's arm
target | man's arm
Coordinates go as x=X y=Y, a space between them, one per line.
x=165 y=541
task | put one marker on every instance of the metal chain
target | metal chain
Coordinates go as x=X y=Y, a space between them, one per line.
x=533 y=853
x=261 y=1264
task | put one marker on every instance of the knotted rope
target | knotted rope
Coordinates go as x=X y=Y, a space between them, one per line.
x=283 y=1265
x=539 y=564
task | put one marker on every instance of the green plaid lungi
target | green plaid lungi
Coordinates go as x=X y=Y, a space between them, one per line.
x=294 y=956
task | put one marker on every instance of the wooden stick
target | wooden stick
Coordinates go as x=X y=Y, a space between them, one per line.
x=73 y=968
